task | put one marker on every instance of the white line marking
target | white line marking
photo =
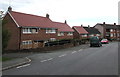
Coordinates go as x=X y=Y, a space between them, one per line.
x=43 y=60
x=23 y=66
x=50 y=59
x=62 y=55
x=74 y=52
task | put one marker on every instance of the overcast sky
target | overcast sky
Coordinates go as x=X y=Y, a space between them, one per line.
x=76 y=12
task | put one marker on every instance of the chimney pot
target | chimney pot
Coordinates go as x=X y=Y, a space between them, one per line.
x=103 y=22
x=47 y=16
x=65 y=22
x=9 y=8
x=81 y=25
x=88 y=26
x=114 y=23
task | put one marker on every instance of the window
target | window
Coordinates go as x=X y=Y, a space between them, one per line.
x=52 y=39
x=70 y=33
x=111 y=34
x=30 y=30
x=61 y=34
x=34 y=30
x=111 y=30
x=118 y=34
x=91 y=35
x=50 y=31
x=97 y=34
x=85 y=35
x=27 y=30
x=26 y=42
x=114 y=34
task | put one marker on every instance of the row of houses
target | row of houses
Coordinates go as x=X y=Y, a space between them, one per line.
x=31 y=31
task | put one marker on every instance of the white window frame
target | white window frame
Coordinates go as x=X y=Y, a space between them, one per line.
x=29 y=30
x=85 y=35
x=111 y=35
x=97 y=34
x=91 y=35
x=61 y=34
x=70 y=33
x=27 y=42
x=50 y=31
x=111 y=30
x=52 y=39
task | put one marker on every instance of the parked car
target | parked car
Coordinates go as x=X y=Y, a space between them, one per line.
x=104 y=41
x=95 y=41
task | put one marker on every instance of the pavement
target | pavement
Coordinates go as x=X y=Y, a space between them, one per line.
x=14 y=63
x=22 y=58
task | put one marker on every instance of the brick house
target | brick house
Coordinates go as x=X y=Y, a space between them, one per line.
x=109 y=31
x=64 y=30
x=92 y=31
x=29 y=31
x=80 y=32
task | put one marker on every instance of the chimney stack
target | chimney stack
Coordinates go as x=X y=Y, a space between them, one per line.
x=88 y=26
x=81 y=25
x=47 y=16
x=65 y=22
x=103 y=22
x=114 y=24
x=9 y=8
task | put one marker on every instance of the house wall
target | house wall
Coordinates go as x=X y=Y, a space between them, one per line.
x=100 y=29
x=41 y=35
x=13 y=43
x=76 y=35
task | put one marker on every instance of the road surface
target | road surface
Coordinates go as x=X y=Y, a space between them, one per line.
x=72 y=61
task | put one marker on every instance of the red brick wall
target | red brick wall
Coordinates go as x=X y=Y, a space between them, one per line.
x=13 y=43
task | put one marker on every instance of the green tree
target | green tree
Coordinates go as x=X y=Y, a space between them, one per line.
x=5 y=35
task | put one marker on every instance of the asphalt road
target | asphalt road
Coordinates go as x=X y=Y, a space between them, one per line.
x=72 y=61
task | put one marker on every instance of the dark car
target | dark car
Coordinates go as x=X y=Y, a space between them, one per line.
x=104 y=41
x=95 y=41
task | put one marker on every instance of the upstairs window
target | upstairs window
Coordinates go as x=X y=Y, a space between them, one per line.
x=30 y=30
x=85 y=35
x=61 y=34
x=111 y=30
x=50 y=31
x=70 y=33
x=97 y=34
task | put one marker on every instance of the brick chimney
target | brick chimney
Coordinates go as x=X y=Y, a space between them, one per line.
x=103 y=22
x=47 y=16
x=9 y=8
x=114 y=24
x=88 y=26
x=65 y=22
x=81 y=25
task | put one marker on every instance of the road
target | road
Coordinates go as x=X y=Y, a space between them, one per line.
x=72 y=61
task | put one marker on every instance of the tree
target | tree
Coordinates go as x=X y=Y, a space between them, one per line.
x=5 y=35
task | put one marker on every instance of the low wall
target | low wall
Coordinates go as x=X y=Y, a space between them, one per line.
x=45 y=49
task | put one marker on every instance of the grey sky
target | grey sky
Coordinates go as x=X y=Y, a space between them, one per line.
x=76 y=12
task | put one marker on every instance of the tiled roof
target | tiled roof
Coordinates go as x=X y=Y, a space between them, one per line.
x=63 y=27
x=28 y=20
x=80 y=30
x=91 y=30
